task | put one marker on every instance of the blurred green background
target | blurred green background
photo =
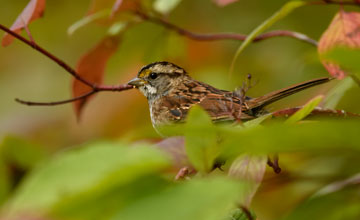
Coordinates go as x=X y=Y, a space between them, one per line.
x=27 y=74
x=274 y=63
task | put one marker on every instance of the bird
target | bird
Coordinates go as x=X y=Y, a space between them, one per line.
x=171 y=92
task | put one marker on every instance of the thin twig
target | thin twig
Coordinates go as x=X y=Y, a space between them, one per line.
x=56 y=102
x=95 y=88
x=49 y=55
x=224 y=36
x=101 y=88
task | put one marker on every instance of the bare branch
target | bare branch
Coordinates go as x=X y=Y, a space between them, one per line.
x=48 y=54
x=331 y=2
x=316 y=112
x=55 y=103
x=95 y=88
x=100 y=88
x=224 y=36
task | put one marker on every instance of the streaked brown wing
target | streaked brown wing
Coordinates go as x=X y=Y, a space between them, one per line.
x=224 y=107
x=220 y=104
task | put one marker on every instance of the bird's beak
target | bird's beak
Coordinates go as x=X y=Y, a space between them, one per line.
x=136 y=82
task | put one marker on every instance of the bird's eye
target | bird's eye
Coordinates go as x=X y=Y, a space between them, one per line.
x=153 y=75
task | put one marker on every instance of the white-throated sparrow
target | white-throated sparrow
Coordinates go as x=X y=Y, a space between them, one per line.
x=171 y=92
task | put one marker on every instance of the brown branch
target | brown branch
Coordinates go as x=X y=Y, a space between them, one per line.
x=285 y=113
x=331 y=2
x=49 y=55
x=224 y=36
x=56 y=102
x=95 y=88
x=101 y=88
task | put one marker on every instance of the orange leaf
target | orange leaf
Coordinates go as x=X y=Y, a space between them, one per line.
x=344 y=30
x=33 y=11
x=92 y=67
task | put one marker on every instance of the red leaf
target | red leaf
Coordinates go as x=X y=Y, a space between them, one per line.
x=31 y=12
x=344 y=30
x=92 y=67
x=224 y=2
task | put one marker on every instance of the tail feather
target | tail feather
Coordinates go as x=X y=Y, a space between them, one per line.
x=269 y=98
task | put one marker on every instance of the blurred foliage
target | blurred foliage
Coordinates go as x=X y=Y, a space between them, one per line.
x=111 y=164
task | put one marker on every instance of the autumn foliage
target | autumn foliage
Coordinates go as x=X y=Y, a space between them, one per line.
x=203 y=171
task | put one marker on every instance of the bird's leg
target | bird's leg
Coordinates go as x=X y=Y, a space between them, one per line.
x=274 y=164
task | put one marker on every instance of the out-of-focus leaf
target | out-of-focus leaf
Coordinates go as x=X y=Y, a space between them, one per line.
x=305 y=110
x=343 y=204
x=201 y=145
x=21 y=152
x=283 y=12
x=275 y=138
x=175 y=148
x=92 y=67
x=87 y=20
x=348 y=58
x=338 y=185
x=4 y=182
x=208 y=198
x=257 y=121
x=342 y=31
x=165 y=6
x=224 y=2
x=337 y=92
x=249 y=169
x=239 y=214
x=117 y=28
x=33 y=11
x=113 y=198
x=79 y=171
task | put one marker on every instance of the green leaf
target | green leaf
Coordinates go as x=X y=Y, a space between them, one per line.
x=338 y=185
x=337 y=92
x=201 y=140
x=279 y=137
x=343 y=204
x=249 y=169
x=21 y=152
x=165 y=6
x=305 y=110
x=239 y=214
x=87 y=20
x=283 y=12
x=257 y=121
x=347 y=58
x=207 y=198
x=117 y=28
x=77 y=171
x=5 y=184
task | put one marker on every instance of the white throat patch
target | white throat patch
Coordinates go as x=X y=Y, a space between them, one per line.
x=150 y=89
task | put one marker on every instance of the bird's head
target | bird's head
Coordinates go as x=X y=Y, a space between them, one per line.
x=156 y=79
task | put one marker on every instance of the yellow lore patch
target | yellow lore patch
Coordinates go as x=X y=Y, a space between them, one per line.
x=144 y=73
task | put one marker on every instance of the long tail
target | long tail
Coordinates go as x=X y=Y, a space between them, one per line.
x=269 y=98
